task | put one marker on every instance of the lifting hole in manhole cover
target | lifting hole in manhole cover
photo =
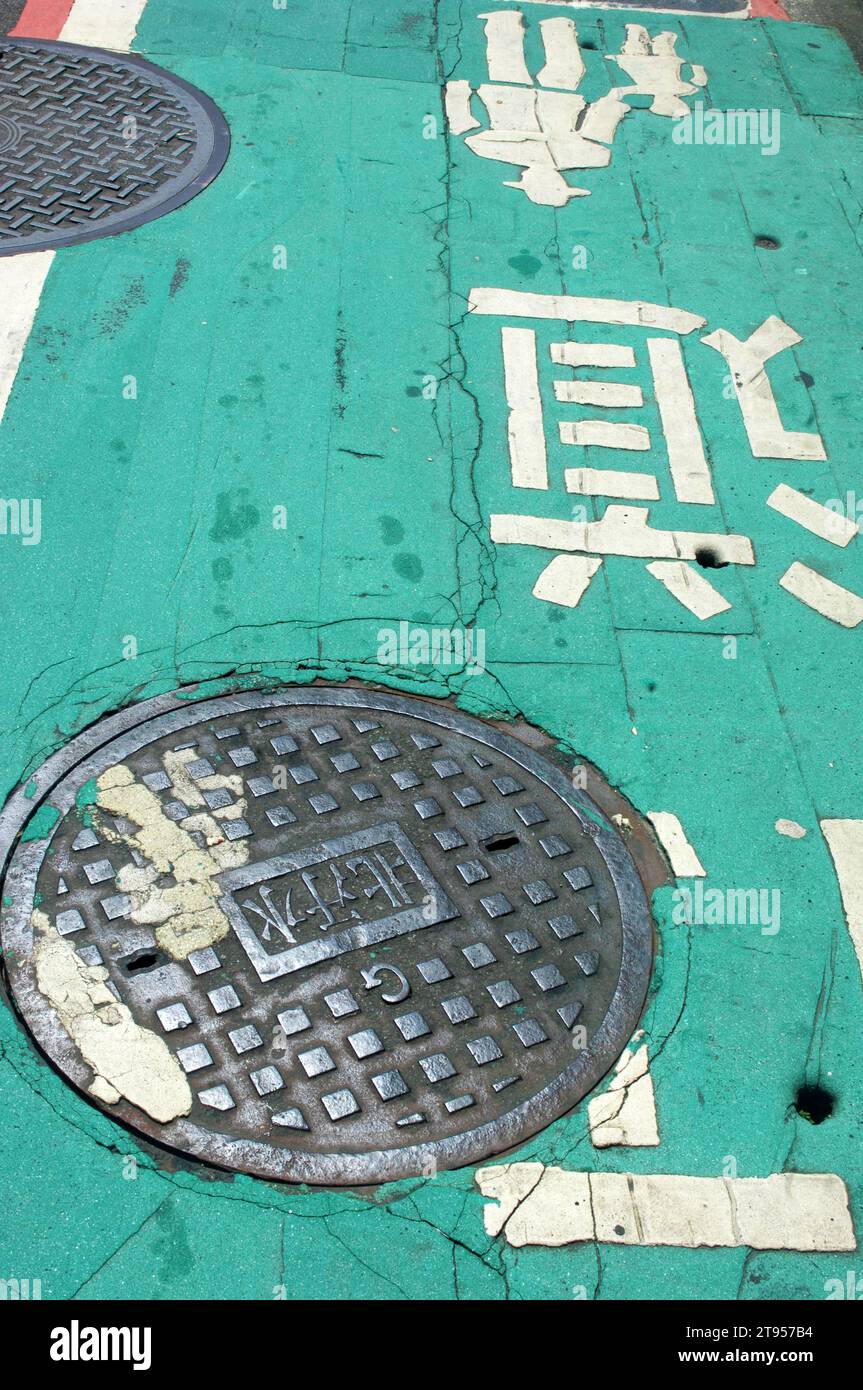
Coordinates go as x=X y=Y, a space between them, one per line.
x=329 y=935
x=94 y=143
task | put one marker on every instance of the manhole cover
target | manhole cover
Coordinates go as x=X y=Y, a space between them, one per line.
x=328 y=935
x=93 y=143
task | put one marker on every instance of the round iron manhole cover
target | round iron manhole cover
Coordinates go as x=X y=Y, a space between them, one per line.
x=322 y=934
x=93 y=143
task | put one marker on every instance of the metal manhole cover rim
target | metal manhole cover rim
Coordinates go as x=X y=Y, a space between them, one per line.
x=147 y=721
x=152 y=207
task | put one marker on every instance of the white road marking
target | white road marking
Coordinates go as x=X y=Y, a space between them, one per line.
x=592 y=355
x=104 y=25
x=458 y=111
x=525 y=304
x=524 y=429
x=690 y=473
x=620 y=531
x=768 y=437
x=625 y=1113
x=845 y=842
x=535 y=1205
x=565 y=580
x=22 y=279
x=614 y=395
x=682 y=857
x=604 y=434
x=564 y=65
x=690 y=588
x=821 y=521
x=830 y=600
x=504 y=39
x=610 y=482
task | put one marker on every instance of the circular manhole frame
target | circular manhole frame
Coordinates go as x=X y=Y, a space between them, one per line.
x=633 y=865
x=213 y=145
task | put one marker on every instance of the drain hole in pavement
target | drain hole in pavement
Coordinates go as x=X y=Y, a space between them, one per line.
x=814 y=1104
x=767 y=243
x=498 y=842
x=708 y=559
x=143 y=960
x=587 y=43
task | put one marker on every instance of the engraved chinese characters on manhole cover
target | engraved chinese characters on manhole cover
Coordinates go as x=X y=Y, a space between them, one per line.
x=93 y=143
x=328 y=935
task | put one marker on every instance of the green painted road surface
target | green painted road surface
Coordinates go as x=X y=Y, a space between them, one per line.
x=265 y=427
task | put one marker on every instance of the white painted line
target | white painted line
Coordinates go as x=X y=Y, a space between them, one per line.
x=821 y=521
x=626 y=1113
x=604 y=434
x=504 y=38
x=22 y=279
x=690 y=588
x=564 y=65
x=690 y=472
x=112 y=25
x=524 y=429
x=681 y=856
x=525 y=304
x=791 y=828
x=592 y=355
x=845 y=842
x=614 y=395
x=534 y=1205
x=829 y=599
x=620 y=531
x=610 y=482
x=565 y=580
x=768 y=438
x=458 y=113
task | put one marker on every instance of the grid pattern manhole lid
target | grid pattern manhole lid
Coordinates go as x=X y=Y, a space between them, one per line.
x=93 y=143
x=327 y=935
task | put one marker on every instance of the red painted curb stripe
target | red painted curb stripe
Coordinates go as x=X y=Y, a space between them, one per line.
x=767 y=9
x=42 y=19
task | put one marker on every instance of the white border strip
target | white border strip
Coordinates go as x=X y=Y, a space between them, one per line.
x=104 y=23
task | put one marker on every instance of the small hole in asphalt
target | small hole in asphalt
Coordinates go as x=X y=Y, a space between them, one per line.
x=767 y=243
x=144 y=960
x=814 y=1104
x=708 y=559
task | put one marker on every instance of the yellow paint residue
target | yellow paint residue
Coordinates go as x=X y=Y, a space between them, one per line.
x=186 y=913
x=129 y=1061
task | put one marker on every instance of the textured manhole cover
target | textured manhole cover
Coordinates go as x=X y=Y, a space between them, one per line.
x=93 y=143
x=327 y=934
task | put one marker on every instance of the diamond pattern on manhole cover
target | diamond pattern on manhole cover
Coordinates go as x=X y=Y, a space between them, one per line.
x=328 y=935
x=93 y=143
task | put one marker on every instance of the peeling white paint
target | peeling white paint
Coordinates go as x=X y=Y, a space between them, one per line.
x=610 y=482
x=620 y=531
x=534 y=1205
x=564 y=65
x=689 y=587
x=614 y=395
x=690 y=473
x=626 y=1113
x=655 y=69
x=504 y=42
x=566 y=579
x=681 y=855
x=186 y=914
x=768 y=437
x=791 y=828
x=845 y=842
x=457 y=95
x=527 y=453
x=604 y=434
x=831 y=600
x=129 y=1061
x=526 y=304
x=821 y=521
